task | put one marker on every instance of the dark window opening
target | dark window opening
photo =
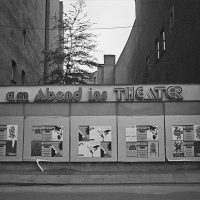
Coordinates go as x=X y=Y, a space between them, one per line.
x=23 y=77
x=162 y=42
x=14 y=72
x=157 y=50
x=172 y=19
x=24 y=37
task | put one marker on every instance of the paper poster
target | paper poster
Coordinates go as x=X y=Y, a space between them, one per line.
x=100 y=133
x=197 y=132
x=106 y=149
x=197 y=148
x=2 y=148
x=141 y=133
x=177 y=132
x=142 y=141
x=152 y=133
x=95 y=141
x=3 y=132
x=188 y=133
x=46 y=149
x=142 y=150
x=36 y=148
x=131 y=134
x=178 y=149
x=153 y=149
x=47 y=141
x=189 y=149
x=89 y=149
x=131 y=149
x=8 y=140
x=186 y=140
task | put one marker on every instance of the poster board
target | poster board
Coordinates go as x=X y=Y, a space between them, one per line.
x=183 y=137
x=11 y=138
x=141 y=139
x=93 y=139
x=46 y=138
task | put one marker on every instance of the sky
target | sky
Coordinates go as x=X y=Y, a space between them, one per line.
x=109 y=14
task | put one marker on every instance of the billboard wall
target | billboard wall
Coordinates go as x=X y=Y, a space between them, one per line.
x=11 y=138
x=46 y=138
x=141 y=139
x=183 y=138
x=93 y=139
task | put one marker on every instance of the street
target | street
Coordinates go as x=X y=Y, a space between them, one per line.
x=105 y=192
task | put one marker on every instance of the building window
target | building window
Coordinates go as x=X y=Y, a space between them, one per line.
x=162 y=42
x=14 y=72
x=172 y=19
x=23 y=77
x=157 y=50
x=24 y=37
x=147 y=70
x=148 y=61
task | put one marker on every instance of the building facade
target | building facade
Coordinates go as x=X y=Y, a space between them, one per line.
x=24 y=35
x=163 y=45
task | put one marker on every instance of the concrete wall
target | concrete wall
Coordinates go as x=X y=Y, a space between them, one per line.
x=119 y=115
x=180 y=61
x=23 y=38
x=106 y=72
x=23 y=45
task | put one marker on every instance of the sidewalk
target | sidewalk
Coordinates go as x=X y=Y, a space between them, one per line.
x=190 y=177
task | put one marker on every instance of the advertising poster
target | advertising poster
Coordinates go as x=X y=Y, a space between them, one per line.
x=153 y=149
x=47 y=141
x=177 y=132
x=131 y=149
x=197 y=132
x=189 y=149
x=186 y=141
x=142 y=141
x=131 y=134
x=178 y=149
x=8 y=140
x=142 y=150
x=95 y=141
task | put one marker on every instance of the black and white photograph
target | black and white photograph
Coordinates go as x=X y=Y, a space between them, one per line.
x=100 y=99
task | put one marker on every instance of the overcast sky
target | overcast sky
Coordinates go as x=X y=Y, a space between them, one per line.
x=109 y=14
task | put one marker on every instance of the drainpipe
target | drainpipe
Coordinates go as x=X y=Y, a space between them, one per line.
x=46 y=39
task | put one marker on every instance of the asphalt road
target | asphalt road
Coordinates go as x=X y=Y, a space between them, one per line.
x=107 y=192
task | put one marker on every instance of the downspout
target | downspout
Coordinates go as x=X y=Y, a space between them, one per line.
x=46 y=39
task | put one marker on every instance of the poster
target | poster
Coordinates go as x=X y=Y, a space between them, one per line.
x=197 y=132
x=153 y=149
x=8 y=140
x=189 y=149
x=142 y=150
x=95 y=141
x=47 y=141
x=142 y=141
x=186 y=140
x=178 y=149
x=131 y=134
x=131 y=149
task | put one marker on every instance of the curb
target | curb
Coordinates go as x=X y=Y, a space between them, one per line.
x=126 y=179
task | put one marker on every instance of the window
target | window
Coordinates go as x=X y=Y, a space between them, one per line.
x=162 y=42
x=147 y=69
x=14 y=72
x=23 y=77
x=24 y=37
x=172 y=19
x=157 y=50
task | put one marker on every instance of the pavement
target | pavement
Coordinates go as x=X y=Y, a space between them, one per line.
x=96 y=178
x=44 y=173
